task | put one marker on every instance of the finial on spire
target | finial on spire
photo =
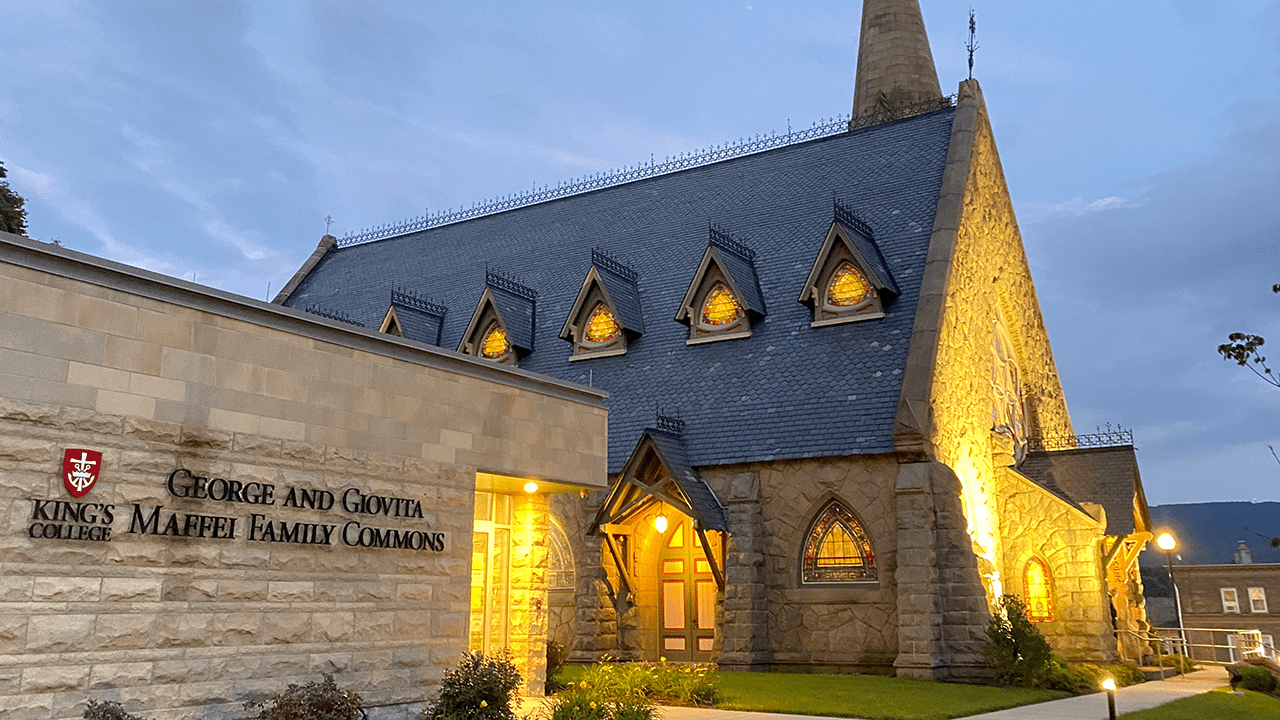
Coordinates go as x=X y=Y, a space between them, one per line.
x=973 y=42
x=895 y=64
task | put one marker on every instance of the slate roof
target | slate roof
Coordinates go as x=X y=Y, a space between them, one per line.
x=1106 y=475
x=418 y=324
x=870 y=253
x=789 y=390
x=675 y=453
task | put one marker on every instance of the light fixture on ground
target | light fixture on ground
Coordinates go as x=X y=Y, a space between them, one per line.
x=1110 y=686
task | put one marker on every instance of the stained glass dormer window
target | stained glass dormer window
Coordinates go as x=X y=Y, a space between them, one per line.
x=602 y=326
x=720 y=307
x=495 y=343
x=837 y=549
x=848 y=287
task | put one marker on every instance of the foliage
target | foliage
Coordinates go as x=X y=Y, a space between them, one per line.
x=13 y=217
x=1085 y=678
x=1015 y=648
x=106 y=710
x=557 y=655
x=1217 y=705
x=1179 y=662
x=576 y=703
x=1258 y=679
x=313 y=701
x=1245 y=350
x=479 y=688
x=658 y=683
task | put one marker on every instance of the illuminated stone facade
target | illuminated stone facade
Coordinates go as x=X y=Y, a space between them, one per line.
x=198 y=600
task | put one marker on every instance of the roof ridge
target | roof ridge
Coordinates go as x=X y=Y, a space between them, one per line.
x=598 y=181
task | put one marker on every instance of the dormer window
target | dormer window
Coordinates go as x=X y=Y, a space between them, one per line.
x=849 y=280
x=501 y=328
x=495 y=344
x=720 y=308
x=724 y=298
x=601 y=327
x=605 y=316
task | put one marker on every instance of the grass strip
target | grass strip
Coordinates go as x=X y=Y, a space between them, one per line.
x=868 y=696
x=858 y=696
x=1217 y=705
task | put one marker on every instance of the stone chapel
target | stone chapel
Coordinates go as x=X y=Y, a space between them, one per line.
x=836 y=432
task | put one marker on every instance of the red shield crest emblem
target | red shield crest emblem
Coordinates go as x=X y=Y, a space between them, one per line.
x=80 y=470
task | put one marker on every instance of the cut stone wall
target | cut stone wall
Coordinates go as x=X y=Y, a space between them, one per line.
x=819 y=627
x=1036 y=523
x=161 y=375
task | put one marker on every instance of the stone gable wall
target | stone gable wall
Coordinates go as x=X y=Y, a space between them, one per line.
x=165 y=375
x=1036 y=523
x=988 y=273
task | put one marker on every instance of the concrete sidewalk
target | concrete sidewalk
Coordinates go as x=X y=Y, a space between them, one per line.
x=1084 y=707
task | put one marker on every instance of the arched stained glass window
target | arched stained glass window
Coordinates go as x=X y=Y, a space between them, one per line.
x=494 y=344
x=720 y=307
x=601 y=326
x=1038 y=587
x=848 y=287
x=560 y=572
x=837 y=549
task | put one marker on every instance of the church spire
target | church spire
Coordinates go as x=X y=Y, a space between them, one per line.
x=895 y=66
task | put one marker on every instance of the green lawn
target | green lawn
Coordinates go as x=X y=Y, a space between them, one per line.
x=1216 y=705
x=861 y=696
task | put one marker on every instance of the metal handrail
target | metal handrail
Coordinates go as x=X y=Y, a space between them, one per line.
x=1246 y=642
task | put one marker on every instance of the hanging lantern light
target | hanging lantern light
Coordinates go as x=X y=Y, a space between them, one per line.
x=660 y=523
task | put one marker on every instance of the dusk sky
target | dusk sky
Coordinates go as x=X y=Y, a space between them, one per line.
x=1141 y=143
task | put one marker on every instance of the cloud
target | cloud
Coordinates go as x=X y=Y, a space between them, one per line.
x=1076 y=206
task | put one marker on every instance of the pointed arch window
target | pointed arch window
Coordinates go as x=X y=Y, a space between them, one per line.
x=1037 y=586
x=720 y=307
x=601 y=326
x=848 y=287
x=494 y=345
x=837 y=549
x=560 y=570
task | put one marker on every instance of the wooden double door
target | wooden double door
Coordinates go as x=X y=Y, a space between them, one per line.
x=686 y=597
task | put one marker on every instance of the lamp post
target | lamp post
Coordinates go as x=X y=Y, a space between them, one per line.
x=1167 y=543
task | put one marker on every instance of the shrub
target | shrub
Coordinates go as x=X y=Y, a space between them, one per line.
x=1015 y=648
x=107 y=711
x=1258 y=679
x=1083 y=678
x=314 y=701
x=1177 y=662
x=557 y=655
x=479 y=688
x=583 y=701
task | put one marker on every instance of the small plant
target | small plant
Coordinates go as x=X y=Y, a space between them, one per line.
x=557 y=656
x=1015 y=648
x=577 y=702
x=313 y=701
x=1258 y=679
x=107 y=711
x=479 y=688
